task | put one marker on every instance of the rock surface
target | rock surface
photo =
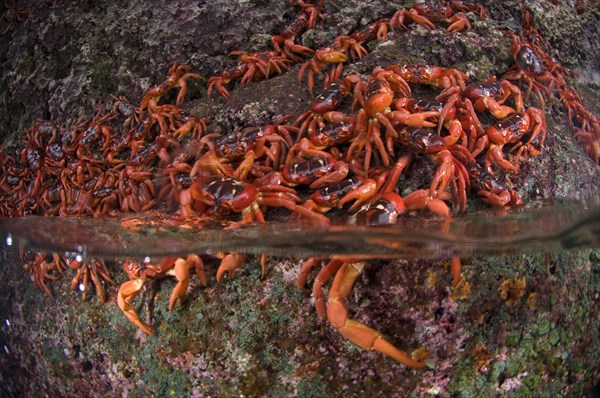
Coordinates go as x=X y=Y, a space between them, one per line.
x=248 y=337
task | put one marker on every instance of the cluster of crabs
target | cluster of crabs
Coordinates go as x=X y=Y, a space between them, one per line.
x=287 y=52
x=345 y=153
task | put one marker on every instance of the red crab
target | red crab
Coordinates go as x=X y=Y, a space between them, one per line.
x=86 y=269
x=141 y=273
x=529 y=66
x=427 y=12
x=353 y=44
x=380 y=90
x=176 y=77
x=320 y=60
x=512 y=130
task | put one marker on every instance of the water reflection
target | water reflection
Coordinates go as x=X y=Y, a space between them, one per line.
x=553 y=226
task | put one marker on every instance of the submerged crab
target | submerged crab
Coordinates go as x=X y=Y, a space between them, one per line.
x=142 y=272
x=90 y=268
x=41 y=269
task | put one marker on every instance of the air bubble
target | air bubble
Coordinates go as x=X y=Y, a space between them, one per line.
x=9 y=240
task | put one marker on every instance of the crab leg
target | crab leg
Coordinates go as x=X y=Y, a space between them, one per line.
x=229 y=263
x=98 y=284
x=323 y=276
x=305 y=270
x=455 y=270
x=127 y=292
x=358 y=333
x=181 y=271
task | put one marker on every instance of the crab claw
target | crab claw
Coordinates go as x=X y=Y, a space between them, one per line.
x=458 y=22
x=420 y=199
x=329 y=56
x=362 y=194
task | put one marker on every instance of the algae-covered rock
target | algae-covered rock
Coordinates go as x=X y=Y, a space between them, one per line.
x=521 y=326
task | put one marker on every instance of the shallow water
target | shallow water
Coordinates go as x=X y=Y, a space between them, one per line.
x=541 y=227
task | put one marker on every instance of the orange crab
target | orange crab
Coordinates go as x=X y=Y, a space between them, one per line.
x=321 y=59
x=376 y=111
x=530 y=65
x=522 y=130
x=175 y=78
x=357 y=332
x=384 y=209
x=427 y=12
x=142 y=272
x=41 y=269
x=90 y=268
